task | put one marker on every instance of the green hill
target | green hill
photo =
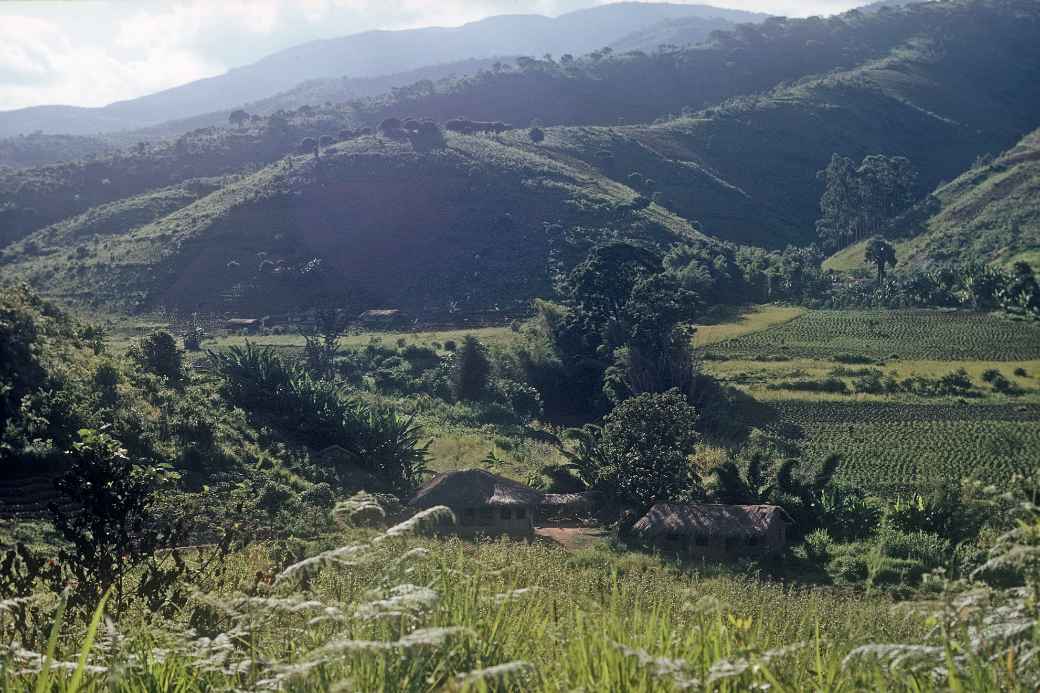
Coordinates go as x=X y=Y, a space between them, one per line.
x=747 y=169
x=990 y=213
x=475 y=225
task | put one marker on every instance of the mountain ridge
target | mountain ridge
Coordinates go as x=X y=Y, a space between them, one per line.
x=367 y=54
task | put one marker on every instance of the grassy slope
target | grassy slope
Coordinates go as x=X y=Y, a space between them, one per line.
x=990 y=212
x=475 y=224
x=747 y=170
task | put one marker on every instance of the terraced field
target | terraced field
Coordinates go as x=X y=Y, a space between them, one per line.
x=891 y=446
x=894 y=441
x=890 y=334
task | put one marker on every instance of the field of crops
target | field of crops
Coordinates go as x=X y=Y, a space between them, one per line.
x=891 y=334
x=889 y=446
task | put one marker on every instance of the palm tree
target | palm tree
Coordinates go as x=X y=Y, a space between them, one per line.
x=880 y=253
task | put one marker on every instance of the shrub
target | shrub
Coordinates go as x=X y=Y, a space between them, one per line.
x=450 y=345
x=818 y=546
x=158 y=353
x=536 y=135
x=316 y=412
x=645 y=447
x=195 y=334
x=106 y=380
x=1021 y=372
x=523 y=399
x=472 y=370
x=319 y=495
x=853 y=359
x=109 y=533
x=272 y=496
x=832 y=385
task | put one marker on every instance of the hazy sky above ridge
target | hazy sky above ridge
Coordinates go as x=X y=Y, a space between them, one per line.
x=94 y=52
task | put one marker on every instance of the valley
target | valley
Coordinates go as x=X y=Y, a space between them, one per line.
x=642 y=347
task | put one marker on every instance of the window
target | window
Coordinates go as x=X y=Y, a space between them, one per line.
x=700 y=539
x=507 y=514
x=672 y=538
x=521 y=513
x=752 y=540
x=469 y=516
x=487 y=515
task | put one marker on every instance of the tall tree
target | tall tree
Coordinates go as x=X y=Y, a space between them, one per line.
x=881 y=254
x=238 y=117
x=857 y=202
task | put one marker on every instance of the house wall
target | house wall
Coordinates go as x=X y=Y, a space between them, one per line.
x=494 y=520
x=721 y=547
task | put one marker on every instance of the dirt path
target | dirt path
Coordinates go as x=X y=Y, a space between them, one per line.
x=574 y=538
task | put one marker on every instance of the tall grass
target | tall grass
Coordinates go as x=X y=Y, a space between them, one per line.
x=397 y=611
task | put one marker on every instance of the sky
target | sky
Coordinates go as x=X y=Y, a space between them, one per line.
x=94 y=52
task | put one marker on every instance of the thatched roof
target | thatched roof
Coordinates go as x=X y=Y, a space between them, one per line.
x=471 y=488
x=562 y=503
x=711 y=519
x=380 y=313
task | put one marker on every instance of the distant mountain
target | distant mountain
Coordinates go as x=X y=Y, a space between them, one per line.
x=483 y=221
x=368 y=54
x=682 y=32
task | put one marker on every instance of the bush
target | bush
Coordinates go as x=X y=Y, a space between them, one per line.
x=818 y=546
x=645 y=447
x=109 y=533
x=523 y=399
x=106 y=380
x=316 y=412
x=158 y=353
x=853 y=359
x=536 y=135
x=320 y=495
x=832 y=385
x=472 y=371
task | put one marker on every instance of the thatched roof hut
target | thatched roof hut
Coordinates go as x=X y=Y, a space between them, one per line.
x=483 y=503
x=714 y=530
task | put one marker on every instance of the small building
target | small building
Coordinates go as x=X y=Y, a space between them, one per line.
x=714 y=531
x=483 y=503
x=244 y=324
x=381 y=317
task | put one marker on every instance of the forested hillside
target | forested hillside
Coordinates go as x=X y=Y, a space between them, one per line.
x=470 y=224
x=939 y=84
x=364 y=55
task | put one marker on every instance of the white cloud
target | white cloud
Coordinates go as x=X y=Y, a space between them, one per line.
x=93 y=53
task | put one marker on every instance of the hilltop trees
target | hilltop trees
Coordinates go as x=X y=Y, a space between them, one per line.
x=238 y=118
x=858 y=201
x=881 y=254
x=309 y=145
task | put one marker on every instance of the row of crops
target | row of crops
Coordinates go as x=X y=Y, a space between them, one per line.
x=892 y=446
x=891 y=334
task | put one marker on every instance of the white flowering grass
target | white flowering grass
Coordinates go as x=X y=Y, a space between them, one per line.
x=396 y=610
